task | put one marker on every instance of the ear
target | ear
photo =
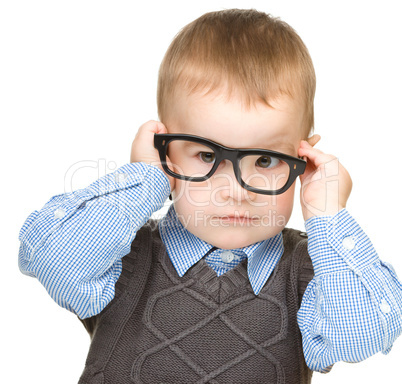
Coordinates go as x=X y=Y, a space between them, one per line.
x=313 y=140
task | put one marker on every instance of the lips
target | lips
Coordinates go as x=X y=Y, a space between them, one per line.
x=245 y=215
x=238 y=218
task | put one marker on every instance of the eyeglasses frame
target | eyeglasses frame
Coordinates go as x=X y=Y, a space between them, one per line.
x=297 y=165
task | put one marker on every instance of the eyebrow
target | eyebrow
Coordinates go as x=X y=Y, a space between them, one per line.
x=279 y=146
x=273 y=145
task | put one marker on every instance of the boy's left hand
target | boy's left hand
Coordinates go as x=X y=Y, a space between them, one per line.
x=325 y=184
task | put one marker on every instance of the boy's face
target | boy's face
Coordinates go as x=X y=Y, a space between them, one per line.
x=218 y=210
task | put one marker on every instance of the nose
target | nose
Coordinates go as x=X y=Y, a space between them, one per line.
x=227 y=185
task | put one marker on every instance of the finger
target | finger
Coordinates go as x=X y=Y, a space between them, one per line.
x=316 y=156
x=313 y=140
x=152 y=127
x=160 y=127
x=305 y=147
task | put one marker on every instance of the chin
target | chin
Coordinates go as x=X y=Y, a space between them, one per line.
x=239 y=238
x=233 y=240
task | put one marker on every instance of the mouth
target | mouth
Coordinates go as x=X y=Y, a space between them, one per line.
x=238 y=219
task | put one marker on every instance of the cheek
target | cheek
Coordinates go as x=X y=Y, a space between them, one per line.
x=285 y=203
x=279 y=207
x=193 y=195
x=184 y=210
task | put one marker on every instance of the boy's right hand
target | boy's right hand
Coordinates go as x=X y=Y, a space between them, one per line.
x=143 y=148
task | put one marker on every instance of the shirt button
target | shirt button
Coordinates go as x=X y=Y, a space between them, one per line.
x=227 y=256
x=348 y=243
x=59 y=213
x=384 y=306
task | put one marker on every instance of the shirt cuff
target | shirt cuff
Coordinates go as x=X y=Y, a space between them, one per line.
x=337 y=243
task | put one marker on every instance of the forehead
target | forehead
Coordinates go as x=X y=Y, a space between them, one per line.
x=231 y=123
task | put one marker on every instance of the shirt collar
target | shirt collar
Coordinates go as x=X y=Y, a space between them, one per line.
x=185 y=249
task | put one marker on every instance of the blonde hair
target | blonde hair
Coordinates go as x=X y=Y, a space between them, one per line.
x=251 y=53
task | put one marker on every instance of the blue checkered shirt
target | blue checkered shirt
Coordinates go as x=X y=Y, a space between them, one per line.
x=74 y=246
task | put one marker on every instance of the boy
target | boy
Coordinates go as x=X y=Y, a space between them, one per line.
x=219 y=290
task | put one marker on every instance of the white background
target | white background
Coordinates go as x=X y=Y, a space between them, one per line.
x=77 y=79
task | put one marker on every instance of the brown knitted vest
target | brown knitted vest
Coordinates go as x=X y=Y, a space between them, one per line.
x=199 y=328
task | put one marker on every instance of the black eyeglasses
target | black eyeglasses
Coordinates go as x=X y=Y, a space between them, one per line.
x=194 y=158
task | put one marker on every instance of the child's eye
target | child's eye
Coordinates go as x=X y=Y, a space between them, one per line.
x=207 y=157
x=267 y=162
